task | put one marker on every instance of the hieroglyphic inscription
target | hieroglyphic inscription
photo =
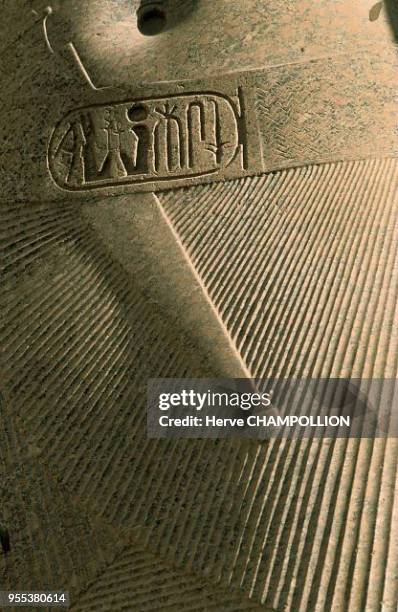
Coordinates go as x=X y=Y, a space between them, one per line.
x=150 y=140
x=239 y=125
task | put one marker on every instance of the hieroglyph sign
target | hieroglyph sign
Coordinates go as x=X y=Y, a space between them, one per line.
x=153 y=140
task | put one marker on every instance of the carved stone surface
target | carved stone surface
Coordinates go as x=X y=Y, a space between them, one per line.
x=306 y=113
x=325 y=101
x=280 y=259
x=154 y=140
